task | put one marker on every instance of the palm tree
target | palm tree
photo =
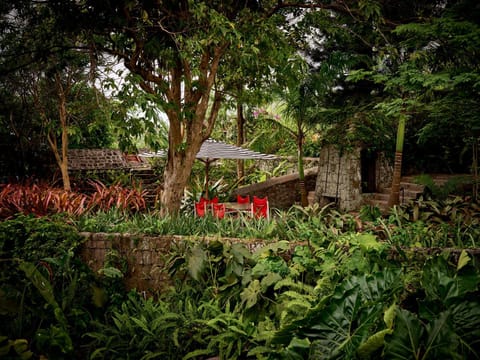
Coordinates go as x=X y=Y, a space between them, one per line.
x=297 y=105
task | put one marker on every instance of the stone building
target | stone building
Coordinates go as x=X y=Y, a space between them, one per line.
x=350 y=178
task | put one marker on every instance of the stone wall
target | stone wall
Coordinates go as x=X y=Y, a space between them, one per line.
x=339 y=178
x=282 y=191
x=145 y=257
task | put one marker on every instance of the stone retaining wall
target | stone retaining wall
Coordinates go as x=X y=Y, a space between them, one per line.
x=145 y=257
x=282 y=191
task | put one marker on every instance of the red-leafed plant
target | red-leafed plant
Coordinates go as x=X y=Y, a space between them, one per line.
x=43 y=200
x=40 y=200
x=116 y=196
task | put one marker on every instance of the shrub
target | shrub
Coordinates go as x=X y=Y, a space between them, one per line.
x=39 y=200
x=48 y=295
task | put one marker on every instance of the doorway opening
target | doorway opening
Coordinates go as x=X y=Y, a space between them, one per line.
x=368 y=164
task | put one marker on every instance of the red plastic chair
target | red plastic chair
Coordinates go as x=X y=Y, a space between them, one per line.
x=260 y=207
x=201 y=208
x=218 y=210
x=243 y=199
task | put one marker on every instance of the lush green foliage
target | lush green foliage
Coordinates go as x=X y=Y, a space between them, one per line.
x=47 y=293
x=424 y=223
x=325 y=291
x=347 y=299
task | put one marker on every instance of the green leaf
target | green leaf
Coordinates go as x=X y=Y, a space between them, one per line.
x=404 y=343
x=372 y=344
x=21 y=348
x=369 y=242
x=389 y=315
x=196 y=262
x=237 y=330
x=463 y=260
x=269 y=280
x=250 y=294
x=111 y=272
x=197 y=353
x=441 y=283
x=441 y=340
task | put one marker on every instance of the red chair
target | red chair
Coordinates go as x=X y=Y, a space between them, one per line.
x=201 y=208
x=218 y=210
x=260 y=207
x=243 y=199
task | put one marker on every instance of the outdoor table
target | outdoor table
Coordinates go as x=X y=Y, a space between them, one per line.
x=236 y=208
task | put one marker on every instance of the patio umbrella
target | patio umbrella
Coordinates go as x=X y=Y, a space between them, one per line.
x=212 y=150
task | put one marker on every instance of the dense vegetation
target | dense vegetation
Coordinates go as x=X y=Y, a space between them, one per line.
x=288 y=77
x=325 y=285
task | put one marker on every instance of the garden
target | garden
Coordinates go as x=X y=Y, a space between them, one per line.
x=392 y=85
x=323 y=284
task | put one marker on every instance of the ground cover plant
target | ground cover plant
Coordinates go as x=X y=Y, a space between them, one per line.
x=325 y=285
x=48 y=295
x=452 y=222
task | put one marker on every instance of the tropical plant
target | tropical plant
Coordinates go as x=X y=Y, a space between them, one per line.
x=352 y=320
x=48 y=294
x=40 y=200
x=116 y=196
x=448 y=318
x=148 y=329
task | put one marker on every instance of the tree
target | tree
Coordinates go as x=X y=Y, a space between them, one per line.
x=182 y=54
x=53 y=91
x=42 y=56
x=437 y=61
x=401 y=61
x=298 y=105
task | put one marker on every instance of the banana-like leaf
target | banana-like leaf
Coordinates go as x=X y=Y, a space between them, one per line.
x=448 y=322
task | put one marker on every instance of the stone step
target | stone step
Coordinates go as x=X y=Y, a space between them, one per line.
x=411 y=186
x=406 y=194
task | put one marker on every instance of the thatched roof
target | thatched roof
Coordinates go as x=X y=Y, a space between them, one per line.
x=96 y=159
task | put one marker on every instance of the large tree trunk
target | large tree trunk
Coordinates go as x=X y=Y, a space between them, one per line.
x=175 y=180
x=191 y=103
x=185 y=137
x=394 y=198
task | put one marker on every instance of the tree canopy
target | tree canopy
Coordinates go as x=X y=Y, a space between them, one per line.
x=372 y=59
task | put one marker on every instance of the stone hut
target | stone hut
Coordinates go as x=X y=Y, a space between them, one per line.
x=82 y=161
x=347 y=177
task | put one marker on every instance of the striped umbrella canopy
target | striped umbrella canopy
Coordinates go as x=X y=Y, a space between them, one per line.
x=212 y=150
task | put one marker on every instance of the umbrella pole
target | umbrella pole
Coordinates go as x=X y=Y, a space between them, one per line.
x=207 y=168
